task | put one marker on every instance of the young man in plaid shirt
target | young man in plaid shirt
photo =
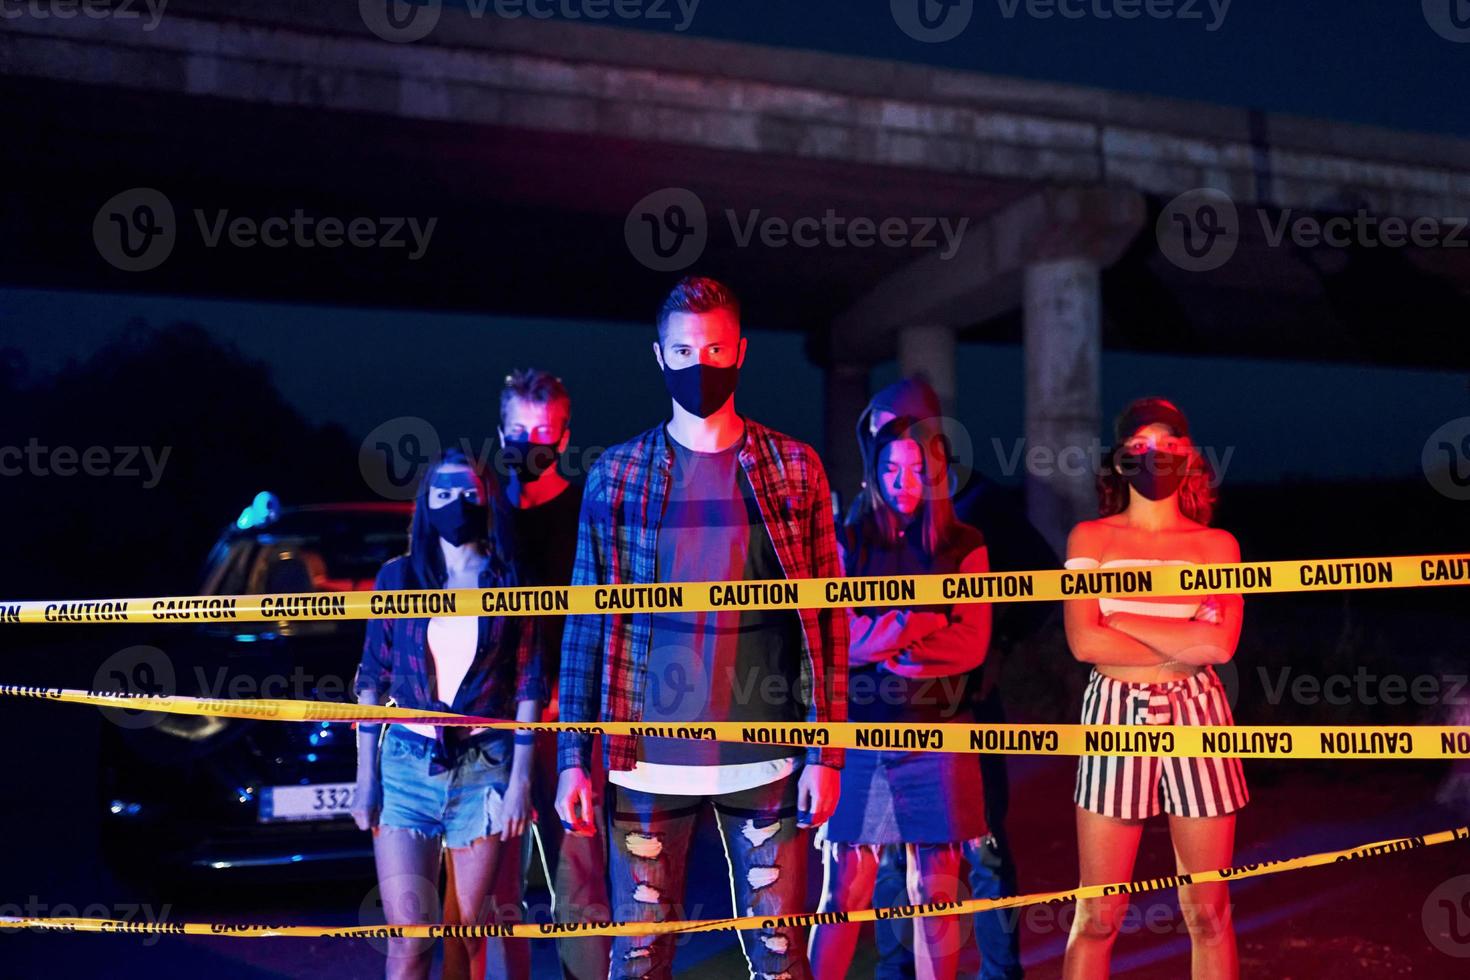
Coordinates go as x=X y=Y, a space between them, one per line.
x=709 y=495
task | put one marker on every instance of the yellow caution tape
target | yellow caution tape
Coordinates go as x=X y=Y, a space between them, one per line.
x=813 y=593
x=797 y=921
x=1174 y=741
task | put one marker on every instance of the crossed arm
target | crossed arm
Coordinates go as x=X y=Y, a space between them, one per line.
x=1125 y=639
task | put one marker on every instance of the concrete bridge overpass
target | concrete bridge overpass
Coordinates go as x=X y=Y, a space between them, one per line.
x=550 y=154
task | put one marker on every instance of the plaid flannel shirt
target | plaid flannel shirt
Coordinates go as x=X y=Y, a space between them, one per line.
x=604 y=665
x=506 y=667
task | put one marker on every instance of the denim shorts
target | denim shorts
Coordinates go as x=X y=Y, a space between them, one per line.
x=460 y=804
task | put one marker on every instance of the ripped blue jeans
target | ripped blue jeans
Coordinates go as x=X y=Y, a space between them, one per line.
x=767 y=852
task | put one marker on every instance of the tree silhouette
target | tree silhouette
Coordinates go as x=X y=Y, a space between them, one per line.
x=181 y=429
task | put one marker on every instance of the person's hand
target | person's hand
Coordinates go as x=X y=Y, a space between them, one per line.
x=1209 y=611
x=881 y=641
x=516 y=811
x=920 y=623
x=816 y=795
x=574 y=802
x=888 y=629
x=367 y=801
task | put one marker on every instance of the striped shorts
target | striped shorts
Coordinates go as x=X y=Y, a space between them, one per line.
x=1128 y=787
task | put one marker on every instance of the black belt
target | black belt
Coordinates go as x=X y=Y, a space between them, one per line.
x=447 y=750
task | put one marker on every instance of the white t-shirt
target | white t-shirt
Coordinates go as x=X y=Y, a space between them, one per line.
x=452 y=643
x=670 y=780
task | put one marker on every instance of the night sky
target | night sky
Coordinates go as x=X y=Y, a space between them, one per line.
x=1368 y=62
x=1365 y=61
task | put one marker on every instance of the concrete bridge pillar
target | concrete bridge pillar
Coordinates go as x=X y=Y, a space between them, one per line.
x=930 y=350
x=1042 y=253
x=845 y=395
x=1062 y=309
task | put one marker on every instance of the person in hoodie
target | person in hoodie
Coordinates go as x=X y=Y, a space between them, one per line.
x=920 y=803
x=991 y=871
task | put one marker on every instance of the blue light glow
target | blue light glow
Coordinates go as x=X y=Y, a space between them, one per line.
x=262 y=510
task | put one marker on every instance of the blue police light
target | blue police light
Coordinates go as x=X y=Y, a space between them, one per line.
x=264 y=509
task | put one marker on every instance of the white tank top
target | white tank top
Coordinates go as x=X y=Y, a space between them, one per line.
x=452 y=643
x=1171 y=608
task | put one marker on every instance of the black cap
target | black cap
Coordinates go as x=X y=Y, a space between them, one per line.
x=1149 y=411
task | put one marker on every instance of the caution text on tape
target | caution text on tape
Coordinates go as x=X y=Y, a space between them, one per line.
x=1177 y=741
x=813 y=593
x=795 y=921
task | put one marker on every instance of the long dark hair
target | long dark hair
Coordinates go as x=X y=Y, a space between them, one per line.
x=876 y=520
x=424 y=554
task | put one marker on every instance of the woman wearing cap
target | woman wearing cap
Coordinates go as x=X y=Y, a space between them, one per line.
x=426 y=789
x=908 y=666
x=1152 y=662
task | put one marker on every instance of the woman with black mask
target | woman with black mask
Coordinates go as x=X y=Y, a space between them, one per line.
x=1152 y=662
x=907 y=665
x=422 y=789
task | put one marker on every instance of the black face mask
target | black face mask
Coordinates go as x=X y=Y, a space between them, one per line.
x=527 y=460
x=700 y=389
x=460 y=521
x=1154 y=474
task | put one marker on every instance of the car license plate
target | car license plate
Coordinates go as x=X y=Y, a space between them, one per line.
x=321 y=801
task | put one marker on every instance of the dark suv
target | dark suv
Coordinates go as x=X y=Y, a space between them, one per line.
x=194 y=794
